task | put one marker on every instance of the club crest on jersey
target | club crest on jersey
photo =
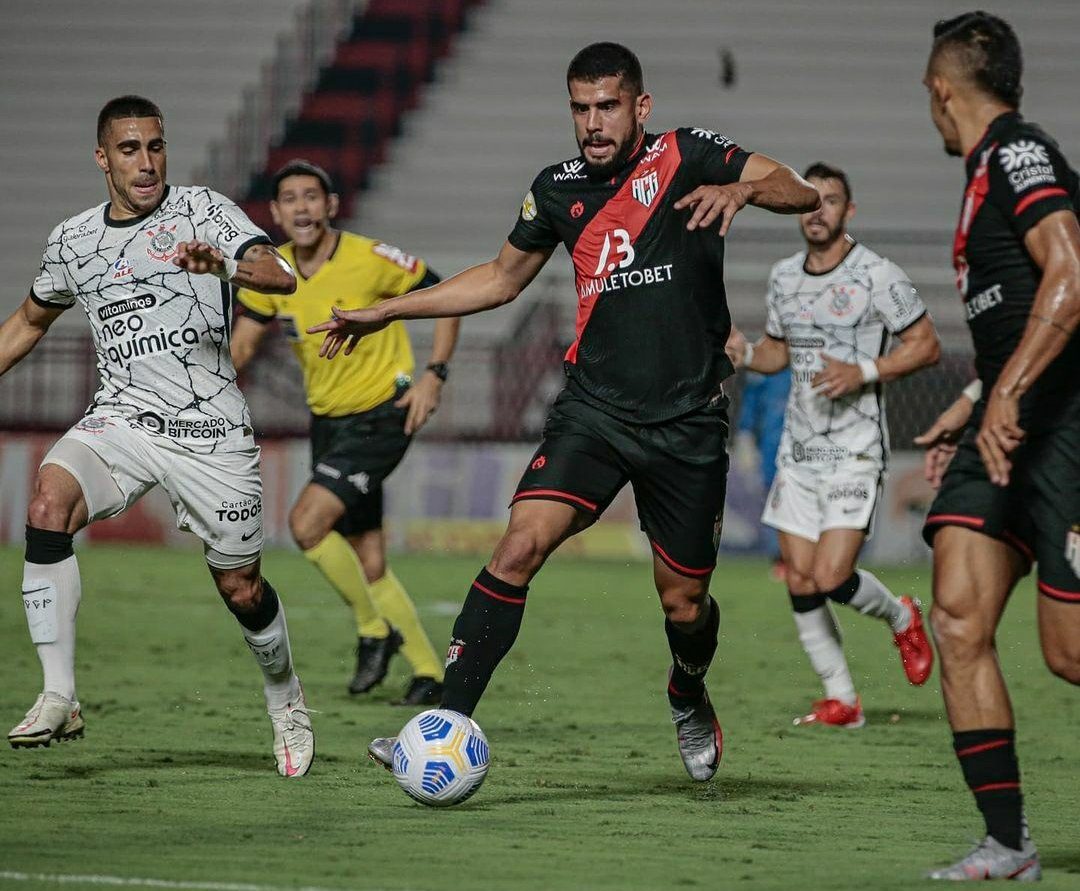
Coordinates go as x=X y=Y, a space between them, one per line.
x=122 y=268
x=162 y=245
x=645 y=187
x=841 y=301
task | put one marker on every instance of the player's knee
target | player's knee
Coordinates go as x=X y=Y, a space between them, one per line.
x=240 y=590
x=683 y=603
x=958 y=637
x=49 y=510
x=800 y=583
x=829 y=577
x=1064 y=663
x=519 y=555
x=306 y=528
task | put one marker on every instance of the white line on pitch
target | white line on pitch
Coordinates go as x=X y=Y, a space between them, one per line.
x=124 y=882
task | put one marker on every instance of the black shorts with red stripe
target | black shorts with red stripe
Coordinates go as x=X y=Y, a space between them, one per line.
x=677 y=469
x=1038 y=513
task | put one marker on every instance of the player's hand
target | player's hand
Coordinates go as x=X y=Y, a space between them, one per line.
x=736 y=347
x=199 y=258
x=999 y=436
x=711 y=203
x=940 y=440
x=421 y=399
x=837 y=378
x=345 y=329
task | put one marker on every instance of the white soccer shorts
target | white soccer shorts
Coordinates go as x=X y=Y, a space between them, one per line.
x=217 y=496
x=807 y=501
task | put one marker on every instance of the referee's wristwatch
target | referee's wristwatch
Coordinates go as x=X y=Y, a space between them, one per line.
x=440 y=369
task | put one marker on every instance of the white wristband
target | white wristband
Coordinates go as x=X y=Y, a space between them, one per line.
x=869 y=370
x=748 y=355
x=973 y=391
x=226 y=274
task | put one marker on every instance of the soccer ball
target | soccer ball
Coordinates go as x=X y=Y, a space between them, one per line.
x=440 y=757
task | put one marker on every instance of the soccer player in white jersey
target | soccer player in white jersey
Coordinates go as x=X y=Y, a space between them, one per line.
x=832 y=310
x=151 y=268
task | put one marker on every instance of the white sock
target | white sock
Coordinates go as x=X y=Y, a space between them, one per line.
x=872 y=598
x=51 y=595
x=820 y=637
x=271 y=650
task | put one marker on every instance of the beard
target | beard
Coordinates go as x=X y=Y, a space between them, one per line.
x=827 y=236
x=615 y=163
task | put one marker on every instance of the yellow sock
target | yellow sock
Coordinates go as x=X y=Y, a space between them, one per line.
x=394 y=603
x=340 y=566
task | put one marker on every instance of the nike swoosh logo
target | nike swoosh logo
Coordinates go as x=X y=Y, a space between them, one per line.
x=249 y=535
x=291 y=770
x=82 y=263
x=37 y=590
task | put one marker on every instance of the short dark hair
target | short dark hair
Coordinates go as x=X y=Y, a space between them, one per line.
x=821 y=170
x=300 y=167
x=126 y=107
x=599 y=60
x=988 y=50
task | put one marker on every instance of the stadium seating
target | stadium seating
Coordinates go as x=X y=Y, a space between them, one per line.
x=55 y=80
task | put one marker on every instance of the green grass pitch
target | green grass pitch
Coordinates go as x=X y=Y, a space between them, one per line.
x=174 y=780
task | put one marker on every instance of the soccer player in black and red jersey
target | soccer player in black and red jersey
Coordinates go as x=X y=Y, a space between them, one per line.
x=643 y=401
x=1011 y=494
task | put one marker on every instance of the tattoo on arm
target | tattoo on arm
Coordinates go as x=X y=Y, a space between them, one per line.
x=1048 y=321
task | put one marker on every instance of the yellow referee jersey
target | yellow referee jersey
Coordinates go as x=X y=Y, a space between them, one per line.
x=359 y=273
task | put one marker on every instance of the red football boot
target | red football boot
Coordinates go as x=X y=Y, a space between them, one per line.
x=916 y=653
x=835 y=713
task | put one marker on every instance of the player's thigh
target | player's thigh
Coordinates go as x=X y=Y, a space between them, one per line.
x=109 y=462
x=798 y=556
x=973 y=575
x=792 y=505
x=679 y=476
x=218 y=498
x=578 y=463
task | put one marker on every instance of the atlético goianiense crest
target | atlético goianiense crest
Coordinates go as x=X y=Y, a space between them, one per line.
x=645 y=188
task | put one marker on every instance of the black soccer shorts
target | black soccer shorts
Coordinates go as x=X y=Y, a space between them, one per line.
x=1038 y=513
x=677 y=468
x=353 y=455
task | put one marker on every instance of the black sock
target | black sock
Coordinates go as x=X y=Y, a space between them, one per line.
x=988 y=759
x=806 y=603
x=843 y=592
x=691 y=655
x=484 y=632
x=262 y=615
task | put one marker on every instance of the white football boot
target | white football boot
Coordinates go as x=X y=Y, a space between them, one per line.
x=294 y=740
x=990 y=859
x=52 y=716
x=381 y=751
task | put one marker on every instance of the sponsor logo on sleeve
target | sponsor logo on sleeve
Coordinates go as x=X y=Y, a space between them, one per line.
x=577 y=209
x=1028 y=164
x=395 y=255
x=713 y=137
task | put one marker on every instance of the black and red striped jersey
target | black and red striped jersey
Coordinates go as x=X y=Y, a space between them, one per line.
x=652 y=315
x=1017 y=175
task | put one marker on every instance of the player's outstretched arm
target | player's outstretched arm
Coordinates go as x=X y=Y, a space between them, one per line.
x=919 y=347
x=476 y=289
x=1054 y=245
x=22 y=330
x=763 y=183
x=261 y=268
x=768 y=356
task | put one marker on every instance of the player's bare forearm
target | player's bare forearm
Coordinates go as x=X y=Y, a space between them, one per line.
x=474 y=290
x=776 y=187
x=770 y=355
x=264 y=270
x=446 y=337
x=1054 y=244
x=22 y=330
x=919 y=347
x=247 y=334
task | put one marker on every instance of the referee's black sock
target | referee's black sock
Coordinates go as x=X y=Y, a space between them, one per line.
x=691 y=655
x=988 y=759
x=483 y=633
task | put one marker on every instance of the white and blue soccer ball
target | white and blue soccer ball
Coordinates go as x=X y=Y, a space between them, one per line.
x=440 y=757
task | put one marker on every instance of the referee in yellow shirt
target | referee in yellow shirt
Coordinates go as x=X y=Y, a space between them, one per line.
x=364 y=413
